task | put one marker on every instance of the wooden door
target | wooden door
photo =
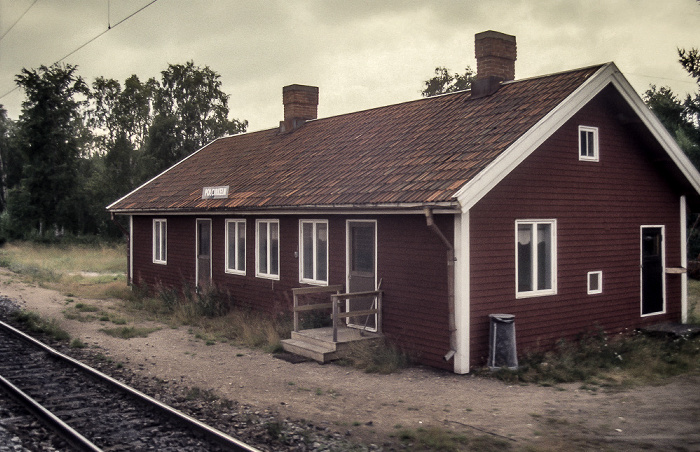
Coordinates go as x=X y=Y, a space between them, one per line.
x=652 y=274
x=203 y=253
x=362 y=270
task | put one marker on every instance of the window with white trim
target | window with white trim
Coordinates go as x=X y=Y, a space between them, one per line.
x=160 y=240
x=268 y=249
x=595 y=282
x=313 y=258
x=535 y=257
x=588 y=143
x=235 y=246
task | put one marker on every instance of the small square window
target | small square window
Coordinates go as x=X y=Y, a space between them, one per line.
x=588 y=144
x=595 y=282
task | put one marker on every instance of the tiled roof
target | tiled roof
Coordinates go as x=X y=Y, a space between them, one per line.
x=418 y=152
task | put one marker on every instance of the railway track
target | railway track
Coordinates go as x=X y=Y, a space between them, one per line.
x=92 y=411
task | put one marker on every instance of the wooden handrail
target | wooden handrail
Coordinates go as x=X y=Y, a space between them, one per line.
x=311 y=307
x=335 y=300
x=345 y=296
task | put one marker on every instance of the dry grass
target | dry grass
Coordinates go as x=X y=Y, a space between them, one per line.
x=693 y=301
x=79 y=270
x=246 y=328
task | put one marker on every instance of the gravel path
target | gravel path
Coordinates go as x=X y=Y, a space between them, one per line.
x=350 y=405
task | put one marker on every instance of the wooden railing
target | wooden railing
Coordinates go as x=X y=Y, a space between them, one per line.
x=336 y=299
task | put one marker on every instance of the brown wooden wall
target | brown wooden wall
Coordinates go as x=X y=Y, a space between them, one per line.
x=599 y=208
x=412 y=267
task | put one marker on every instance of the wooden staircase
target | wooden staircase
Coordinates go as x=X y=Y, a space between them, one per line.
x=317 y=344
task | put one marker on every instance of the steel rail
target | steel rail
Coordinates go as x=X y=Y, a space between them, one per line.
x=65 y=431
x=210 y=432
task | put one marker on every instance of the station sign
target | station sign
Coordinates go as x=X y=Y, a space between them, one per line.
x=215 y=192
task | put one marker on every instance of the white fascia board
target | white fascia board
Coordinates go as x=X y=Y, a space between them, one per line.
x=450 y=208
x=109 y=207
x=496 y=171
x=658 y=130
x=477 y=188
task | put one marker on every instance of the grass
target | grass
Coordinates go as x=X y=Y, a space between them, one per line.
x=694 y=301
x=83 y=270
x=377 y=357
x=36 y=324
x=598 y=359
x=97 y=272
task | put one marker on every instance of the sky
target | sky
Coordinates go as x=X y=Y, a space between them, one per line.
x=361 y=54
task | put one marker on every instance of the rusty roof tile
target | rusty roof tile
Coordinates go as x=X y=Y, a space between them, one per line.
x=415 y=152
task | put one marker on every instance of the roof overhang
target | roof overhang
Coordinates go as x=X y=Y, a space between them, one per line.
x=340 y=209
x=608 y=75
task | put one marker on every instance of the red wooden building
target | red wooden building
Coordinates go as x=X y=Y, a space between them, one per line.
x=560 y=199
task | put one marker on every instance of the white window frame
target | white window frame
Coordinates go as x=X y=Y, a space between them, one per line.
x=663 y=269
x=267 y=274
x=160 y=247
x=314 y=257
x=235 y=266
x=533 y=263
x=599 y=275
x=593 y=131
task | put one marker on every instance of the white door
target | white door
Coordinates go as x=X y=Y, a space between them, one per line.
x=362 y=270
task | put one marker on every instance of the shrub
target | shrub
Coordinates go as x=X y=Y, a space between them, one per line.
x=598 y=358
x=34 y=323
x=377 y=357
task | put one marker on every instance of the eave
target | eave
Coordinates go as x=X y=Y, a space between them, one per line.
x=336 y=209
x=608 y=75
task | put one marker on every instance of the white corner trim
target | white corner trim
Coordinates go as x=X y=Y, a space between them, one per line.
x=684 y=261
x=131 y=249
x=658 y=130
x=461 y=298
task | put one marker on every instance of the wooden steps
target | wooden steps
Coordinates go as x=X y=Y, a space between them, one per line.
x=317 y=344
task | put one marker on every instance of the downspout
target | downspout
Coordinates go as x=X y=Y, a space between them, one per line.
x=128 y=247
x=450 y=282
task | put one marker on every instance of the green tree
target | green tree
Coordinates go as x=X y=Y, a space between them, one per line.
x=6 y=153
x=681 y=118
x=190 y=110
x=51 y=141
x=121 y=112
x=444 y=82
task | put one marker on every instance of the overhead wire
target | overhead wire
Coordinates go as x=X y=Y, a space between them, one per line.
x=109 y=27
x=20 y=18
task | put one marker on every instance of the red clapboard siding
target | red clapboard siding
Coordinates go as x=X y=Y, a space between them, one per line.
x=599 y=208
x=411 y=264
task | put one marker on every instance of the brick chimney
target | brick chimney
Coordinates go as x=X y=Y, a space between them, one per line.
x=300 y=105
x=495 y=61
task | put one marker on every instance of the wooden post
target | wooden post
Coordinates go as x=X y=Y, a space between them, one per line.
x=335 y=317
x=379 y=312
x=296 y=313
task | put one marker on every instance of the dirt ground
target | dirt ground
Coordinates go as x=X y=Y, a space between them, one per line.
x=371 y=408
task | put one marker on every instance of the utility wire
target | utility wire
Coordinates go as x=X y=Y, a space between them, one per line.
x=20 y=18
x=112 y=27
x=109 y=27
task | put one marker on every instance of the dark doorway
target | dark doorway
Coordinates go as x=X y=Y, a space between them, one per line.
x=203 y=253
x=652 y=270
